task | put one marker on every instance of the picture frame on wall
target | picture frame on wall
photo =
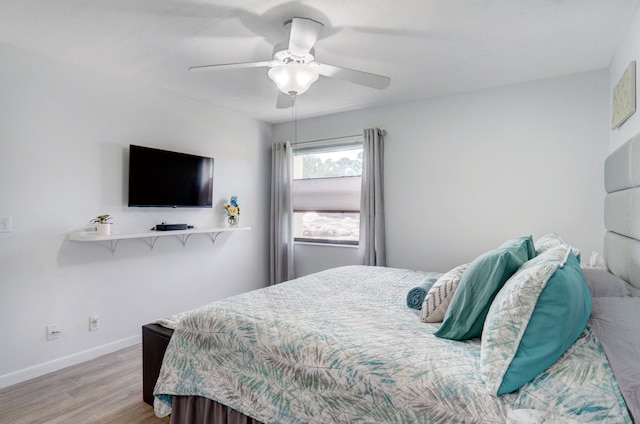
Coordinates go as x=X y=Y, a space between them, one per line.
x=624 y=97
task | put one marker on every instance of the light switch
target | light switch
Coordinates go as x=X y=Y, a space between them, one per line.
x=5 y=224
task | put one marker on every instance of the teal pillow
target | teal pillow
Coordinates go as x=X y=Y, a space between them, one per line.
x=479 y=285
x=534 y=319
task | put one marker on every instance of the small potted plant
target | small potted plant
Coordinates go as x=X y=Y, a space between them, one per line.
x=103 y=228
x=233 y=211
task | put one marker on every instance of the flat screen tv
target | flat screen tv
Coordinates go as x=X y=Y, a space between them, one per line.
x=161 y=178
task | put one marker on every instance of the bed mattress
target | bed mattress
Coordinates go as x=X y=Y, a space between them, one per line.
x=342 y=346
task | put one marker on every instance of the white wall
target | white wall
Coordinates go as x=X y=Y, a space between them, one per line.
x=465 y=172
x=64 y=136
x=310 y=258
x=627 y=51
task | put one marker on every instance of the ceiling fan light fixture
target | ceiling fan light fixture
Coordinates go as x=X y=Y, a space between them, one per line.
x=293 y=78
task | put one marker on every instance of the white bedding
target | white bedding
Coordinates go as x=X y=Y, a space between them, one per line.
x=342 y=346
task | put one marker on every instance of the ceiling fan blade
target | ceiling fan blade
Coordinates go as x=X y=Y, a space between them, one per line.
x=227 y=66
x=359 y=77
x=304 y=33
x=285 y=101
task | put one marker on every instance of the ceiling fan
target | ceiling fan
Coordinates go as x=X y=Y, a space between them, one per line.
x=294 y=68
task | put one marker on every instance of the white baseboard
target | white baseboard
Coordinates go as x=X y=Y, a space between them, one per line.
x=64 y=362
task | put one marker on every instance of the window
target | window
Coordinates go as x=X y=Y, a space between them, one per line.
x=326 y=191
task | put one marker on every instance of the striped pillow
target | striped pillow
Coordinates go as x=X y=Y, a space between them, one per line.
x=437 y=301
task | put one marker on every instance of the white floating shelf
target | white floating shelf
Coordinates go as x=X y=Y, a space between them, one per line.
x=152 y=236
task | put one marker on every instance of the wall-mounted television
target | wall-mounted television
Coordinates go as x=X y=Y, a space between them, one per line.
x=162 y=178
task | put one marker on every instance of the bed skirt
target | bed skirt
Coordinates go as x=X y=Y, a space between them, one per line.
x=199 y=410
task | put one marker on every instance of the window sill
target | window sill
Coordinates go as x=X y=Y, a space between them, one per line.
x=313 y=243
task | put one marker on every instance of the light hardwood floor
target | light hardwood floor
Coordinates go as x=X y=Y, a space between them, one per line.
x=107 y=389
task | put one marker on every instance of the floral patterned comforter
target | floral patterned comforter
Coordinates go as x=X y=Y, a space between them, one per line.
x=341 y=346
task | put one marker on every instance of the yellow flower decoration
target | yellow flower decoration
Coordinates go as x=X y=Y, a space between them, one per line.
x=232 y=210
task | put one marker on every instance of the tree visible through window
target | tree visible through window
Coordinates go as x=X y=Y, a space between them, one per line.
x=326 y=165
x=326 y=193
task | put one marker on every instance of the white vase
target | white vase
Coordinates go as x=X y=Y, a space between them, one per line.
x=103 y=229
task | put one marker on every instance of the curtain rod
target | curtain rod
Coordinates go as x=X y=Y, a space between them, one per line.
x=383 y=132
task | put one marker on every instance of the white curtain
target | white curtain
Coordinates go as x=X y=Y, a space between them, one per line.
x=371 y=250
x=281 y=240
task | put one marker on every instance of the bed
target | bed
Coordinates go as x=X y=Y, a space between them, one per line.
x=343 y=346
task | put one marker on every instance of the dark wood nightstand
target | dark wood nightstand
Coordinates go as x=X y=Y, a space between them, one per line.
x=155 y=339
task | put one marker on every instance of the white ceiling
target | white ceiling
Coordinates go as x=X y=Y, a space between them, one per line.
x=427 y=47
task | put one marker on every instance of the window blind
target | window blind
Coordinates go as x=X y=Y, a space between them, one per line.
x=334 y=194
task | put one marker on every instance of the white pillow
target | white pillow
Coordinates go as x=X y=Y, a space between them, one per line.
x=439 y=296
x=551 y=240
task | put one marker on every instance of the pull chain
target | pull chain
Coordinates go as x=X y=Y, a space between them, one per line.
x=295 y=120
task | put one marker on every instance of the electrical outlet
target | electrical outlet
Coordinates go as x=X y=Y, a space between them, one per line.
x=94 y=323
x=5 y=224
x=52 y=331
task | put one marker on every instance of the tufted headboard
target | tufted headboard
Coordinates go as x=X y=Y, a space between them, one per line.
x=622 y=211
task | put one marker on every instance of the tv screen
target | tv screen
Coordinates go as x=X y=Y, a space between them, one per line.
x=161 y=178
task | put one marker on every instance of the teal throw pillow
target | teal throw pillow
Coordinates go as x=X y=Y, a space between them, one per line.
x=535 y=318
x=479 y=285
